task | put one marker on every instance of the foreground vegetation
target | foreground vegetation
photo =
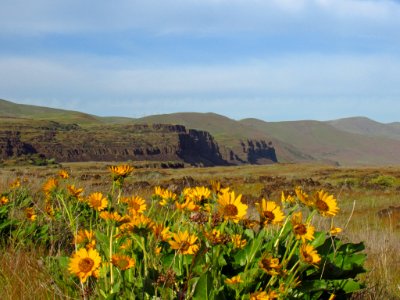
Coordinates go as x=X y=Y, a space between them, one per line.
x=253 y=233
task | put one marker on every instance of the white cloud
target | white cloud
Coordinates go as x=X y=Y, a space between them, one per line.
x=302 y=76
x=79 y=81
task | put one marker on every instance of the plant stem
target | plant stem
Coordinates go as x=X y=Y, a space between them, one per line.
x=111 y=253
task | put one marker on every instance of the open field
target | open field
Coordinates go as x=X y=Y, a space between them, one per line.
x=367 y=197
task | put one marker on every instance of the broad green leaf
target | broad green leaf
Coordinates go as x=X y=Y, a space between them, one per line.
x=319 y=240
x=204 y=287
x=352 y=248
x=347 y=285
x=104 y=242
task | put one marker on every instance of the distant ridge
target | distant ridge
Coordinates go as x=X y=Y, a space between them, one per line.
x=13 y=110
x=363 y=125
x=326 y=142
x=74 y=136
x=347 y=141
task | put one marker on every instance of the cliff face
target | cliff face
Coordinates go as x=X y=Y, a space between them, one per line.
x=11 y=145
x=257 y=152
x=137 y=142
x=200 y=146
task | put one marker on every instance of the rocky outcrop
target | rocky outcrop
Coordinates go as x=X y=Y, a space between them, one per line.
x=259 y=152
x=136 y=142
x=250 y=152
x=199 y=146
x=11 y=145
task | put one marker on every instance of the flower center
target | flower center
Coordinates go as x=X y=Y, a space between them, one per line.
x=270 y=265
x=266 y=264
x=308 y=258
x=322 y=206
x=230 y=210
x=184 y=246
x=300 y=229
x=135 y=206
x=269 y=215
x=86 y=264
x=123 y=264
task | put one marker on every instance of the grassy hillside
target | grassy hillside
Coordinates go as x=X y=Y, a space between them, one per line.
x=362 y=125
x=13 y=110
x=326 y=142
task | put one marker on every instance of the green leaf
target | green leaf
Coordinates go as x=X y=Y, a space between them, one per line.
x=313 y=285
x=221 y=261
x=240 y=256
x=352 y=248
x=204 y=287
x=319 y=239
x=7 y=224
x=249 y=233
x=347 y=285
x=104 y=242
x=172 y=261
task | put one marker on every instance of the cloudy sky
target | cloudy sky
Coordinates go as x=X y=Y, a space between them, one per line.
x=270 y=59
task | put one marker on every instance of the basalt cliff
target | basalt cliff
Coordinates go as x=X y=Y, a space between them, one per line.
x=125 y=142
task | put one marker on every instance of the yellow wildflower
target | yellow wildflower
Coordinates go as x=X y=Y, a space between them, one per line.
x=50 y=185
x=30 y=214
x=305 y=232
x=63 y=174
x=75 y=192
x=122 y=262
x=335 y=230
x=136 y=204
x=231 y=207
x=237 y=241
x=84 y=263
x=270 y=265
x=270 y=212
x=303 y=197
x=326 y=204
x=309 y=255
x=120 y=171
x=234 y=280
x=3 y=200
x=184 y=243
x=97 y=201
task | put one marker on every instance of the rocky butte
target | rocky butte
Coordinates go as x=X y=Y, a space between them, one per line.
x=123 y=142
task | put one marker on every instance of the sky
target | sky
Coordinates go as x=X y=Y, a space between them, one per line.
x=274 y=60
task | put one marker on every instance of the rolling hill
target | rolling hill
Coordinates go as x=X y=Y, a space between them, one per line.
x=327 y=143
x=21 y=111
x=349 y=141
x=362 y=125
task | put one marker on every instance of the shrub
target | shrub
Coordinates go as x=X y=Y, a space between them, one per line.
x=384 y=181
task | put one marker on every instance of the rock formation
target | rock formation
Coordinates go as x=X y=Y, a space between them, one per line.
x=136 y=142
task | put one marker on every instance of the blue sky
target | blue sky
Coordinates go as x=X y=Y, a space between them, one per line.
x=274 y=60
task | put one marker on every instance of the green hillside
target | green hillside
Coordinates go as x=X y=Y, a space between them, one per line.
x=362 y=125
x=326 y=142
x=12 y=110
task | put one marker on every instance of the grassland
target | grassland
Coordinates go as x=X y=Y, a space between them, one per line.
x=367 y=198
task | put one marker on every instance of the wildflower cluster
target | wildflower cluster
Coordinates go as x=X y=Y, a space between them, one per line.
x=200 y=243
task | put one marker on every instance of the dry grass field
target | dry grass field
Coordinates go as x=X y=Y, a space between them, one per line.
x=368 y=199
